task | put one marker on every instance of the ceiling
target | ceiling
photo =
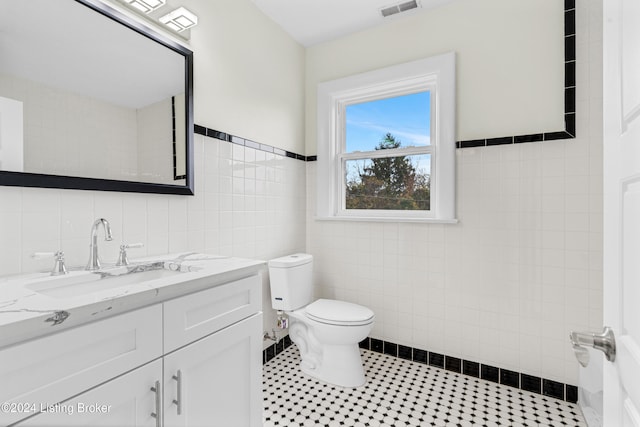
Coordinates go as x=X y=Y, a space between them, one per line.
x=315 y=21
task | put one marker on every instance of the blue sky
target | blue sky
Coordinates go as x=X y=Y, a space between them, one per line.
x=406 y=117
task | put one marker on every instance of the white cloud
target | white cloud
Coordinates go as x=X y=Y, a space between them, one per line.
x=405 y=135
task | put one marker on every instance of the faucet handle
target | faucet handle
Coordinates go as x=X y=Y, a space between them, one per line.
x=122 y=258
x=59 y=268
x=42 y=255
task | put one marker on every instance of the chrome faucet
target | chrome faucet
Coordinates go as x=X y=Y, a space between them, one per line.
x=94 y=261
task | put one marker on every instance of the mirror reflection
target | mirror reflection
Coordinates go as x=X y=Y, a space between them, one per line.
x=82 y=95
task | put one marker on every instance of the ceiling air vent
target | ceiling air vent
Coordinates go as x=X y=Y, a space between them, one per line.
x=399 y=7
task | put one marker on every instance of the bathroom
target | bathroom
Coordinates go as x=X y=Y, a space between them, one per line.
x=502 y=287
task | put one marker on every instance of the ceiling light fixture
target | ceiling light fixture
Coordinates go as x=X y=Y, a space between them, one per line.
x=179 y=20
x=146 y=6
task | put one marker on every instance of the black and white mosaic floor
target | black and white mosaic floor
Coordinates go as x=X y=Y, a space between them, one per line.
x=403 y=393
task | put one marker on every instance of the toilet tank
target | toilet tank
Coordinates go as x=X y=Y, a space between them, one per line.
x=291 y=279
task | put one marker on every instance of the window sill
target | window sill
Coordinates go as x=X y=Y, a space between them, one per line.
x=386 y=219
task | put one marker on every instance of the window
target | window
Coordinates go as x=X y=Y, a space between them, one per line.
x=386 y=144
x=386 y=160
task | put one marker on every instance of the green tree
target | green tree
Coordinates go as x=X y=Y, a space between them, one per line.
x=390 y=183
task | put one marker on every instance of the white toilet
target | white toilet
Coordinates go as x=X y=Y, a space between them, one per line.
x=327 y=332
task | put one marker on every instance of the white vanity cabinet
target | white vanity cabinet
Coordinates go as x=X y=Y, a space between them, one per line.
x=203 y=379
x=194 y=360
x=131 y=401
x=48 y=370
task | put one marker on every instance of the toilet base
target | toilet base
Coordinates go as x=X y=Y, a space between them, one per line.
x=341 y=365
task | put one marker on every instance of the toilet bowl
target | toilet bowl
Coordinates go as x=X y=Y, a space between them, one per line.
x=329 y=347
x=326 y=332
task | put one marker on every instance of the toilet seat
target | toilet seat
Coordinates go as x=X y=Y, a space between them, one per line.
x=335 y=312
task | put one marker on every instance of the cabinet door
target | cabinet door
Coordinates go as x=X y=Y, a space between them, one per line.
x=124 y=401
x=59 y=366
x=220 y=379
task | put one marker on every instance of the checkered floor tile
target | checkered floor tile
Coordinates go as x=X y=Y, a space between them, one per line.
x=403 y=393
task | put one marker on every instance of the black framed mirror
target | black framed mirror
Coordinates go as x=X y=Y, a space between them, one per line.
x=92 y=99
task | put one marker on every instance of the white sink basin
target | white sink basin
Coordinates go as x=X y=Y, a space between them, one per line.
x=78 y=283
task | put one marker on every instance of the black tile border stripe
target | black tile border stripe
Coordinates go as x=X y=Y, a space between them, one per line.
x=569 y=131
x=276 y=348
x=530 y=383
x=494 y=374
x=233 y=139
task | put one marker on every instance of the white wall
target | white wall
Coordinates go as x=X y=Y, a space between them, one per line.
x=510 y=66
x=57 y=124
x=155 y=143
x=248 y=203
x=523 y=266
x=249 y=78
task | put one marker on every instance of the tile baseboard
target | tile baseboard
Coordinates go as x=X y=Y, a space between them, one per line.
x=533 y=384
x=276 y=348
x=543 y=386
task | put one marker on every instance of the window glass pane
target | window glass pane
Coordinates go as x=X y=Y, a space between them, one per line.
x=406 y=117
x=394 y=183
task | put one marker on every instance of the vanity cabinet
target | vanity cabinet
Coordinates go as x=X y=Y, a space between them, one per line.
x=54 y=368
x=130 y=403
x=203 y=380
x=190 y=361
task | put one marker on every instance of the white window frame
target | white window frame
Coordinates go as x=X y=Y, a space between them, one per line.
x=435 y=74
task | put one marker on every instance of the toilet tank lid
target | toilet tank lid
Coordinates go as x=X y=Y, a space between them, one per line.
x=291 y=260
x=339 y=311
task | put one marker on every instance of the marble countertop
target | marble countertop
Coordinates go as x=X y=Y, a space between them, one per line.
x=38 y=304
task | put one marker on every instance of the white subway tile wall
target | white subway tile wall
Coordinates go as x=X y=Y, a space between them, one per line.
x=107 y=153
x=521 y=269
x=261 y=215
